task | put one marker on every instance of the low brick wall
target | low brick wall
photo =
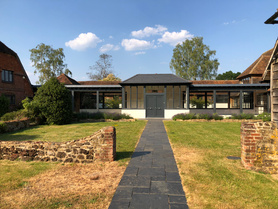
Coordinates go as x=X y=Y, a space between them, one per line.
x=259 y=146
x=16 y=125
x=99 y=146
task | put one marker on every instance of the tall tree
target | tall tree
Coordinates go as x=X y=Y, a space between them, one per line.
x=229 y=75
x=102 y=68
x=193 y=60
x=48 y=62
x=111 y=77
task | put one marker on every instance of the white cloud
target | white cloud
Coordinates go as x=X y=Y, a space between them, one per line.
x=84 y=41
x=136 y=45
x=108 y=47
x=148 y=31
x=111 y=37
x=175 y=38
x=139 y=53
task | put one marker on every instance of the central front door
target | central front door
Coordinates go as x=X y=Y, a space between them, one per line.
x=155 y=106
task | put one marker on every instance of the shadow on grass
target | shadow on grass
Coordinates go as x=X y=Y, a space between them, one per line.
x=16 y=136
x=124 y=155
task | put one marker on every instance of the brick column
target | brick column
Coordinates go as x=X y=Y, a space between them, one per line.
x=248 y=137
x=109 y=148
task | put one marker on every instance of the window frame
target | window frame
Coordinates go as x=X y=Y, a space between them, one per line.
x=7 y=76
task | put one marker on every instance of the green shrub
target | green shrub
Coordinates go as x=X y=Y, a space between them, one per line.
x=184 y=116
x=204 y=116
x=3 y=127
x=264 y=116
x=4 y=105
x=15 y=115
x=53 y=101
x=243 y=116
x=31 y=107
x=215 y=116
x=100 y=115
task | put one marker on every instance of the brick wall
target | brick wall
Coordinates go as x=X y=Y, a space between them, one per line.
x=259 y=149
x=21 y=86
x=101 y=146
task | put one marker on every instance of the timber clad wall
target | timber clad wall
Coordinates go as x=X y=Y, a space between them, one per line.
x=20 y=87
x=274 y=88
x=259 y=146
x=101 y=146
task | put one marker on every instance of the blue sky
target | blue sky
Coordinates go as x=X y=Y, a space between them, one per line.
x=139 y=34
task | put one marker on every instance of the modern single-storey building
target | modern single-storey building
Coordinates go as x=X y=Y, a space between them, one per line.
x=164 y=95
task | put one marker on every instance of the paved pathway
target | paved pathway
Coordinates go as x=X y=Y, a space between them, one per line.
x=151 y=179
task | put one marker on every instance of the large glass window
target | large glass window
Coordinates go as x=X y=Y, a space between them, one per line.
x=112 y=100
x=177 y=97
x=127 y=97
x=140 y=97
x=198 y=100
x=183 y=92
x=7 y=76
x=88 y=101
x=222 y=99
x=169 y=92
x=209 y=99
x=107 y=100
x=247 y=98
x=133 y=96
x=234 y=100
x=154 y=89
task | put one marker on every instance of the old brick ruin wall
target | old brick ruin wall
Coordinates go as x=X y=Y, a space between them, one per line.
x=101 y=146
x=259 y=149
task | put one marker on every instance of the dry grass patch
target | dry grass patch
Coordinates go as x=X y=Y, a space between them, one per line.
x=70 y=185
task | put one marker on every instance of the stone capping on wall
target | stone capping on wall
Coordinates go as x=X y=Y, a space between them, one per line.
x=101 y=146
x=15 y=125
x=259 y=149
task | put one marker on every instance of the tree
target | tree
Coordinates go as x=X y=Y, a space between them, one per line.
x=48 y=62
x=229 y=75
x=111 y=77
x=194 y=60
x=102 y=68
x=54 y=102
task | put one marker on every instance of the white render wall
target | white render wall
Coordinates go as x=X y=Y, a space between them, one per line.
x=169 y=113
x=135 y=113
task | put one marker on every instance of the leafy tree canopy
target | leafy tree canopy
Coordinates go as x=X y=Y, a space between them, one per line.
x=111 y=77
x=193 y=60
x=102 y=68
x=229 y=75
x=48 y=62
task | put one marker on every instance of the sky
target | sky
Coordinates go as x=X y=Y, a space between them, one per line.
x=140 y=35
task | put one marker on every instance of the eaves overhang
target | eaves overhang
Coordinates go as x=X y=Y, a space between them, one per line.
x=235 y=87
x=94 y=87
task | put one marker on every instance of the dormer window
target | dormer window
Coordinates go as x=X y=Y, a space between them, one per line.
x=7 y=76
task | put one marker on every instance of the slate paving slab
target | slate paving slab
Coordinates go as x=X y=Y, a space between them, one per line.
x=151 y=179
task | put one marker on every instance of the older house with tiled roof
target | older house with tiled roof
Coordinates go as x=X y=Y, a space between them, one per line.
x=254 y=73
x=14 y=83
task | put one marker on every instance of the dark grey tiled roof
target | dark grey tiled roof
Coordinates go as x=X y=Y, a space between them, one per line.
x=155 y=79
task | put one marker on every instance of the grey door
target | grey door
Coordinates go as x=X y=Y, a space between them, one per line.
x=155 y=106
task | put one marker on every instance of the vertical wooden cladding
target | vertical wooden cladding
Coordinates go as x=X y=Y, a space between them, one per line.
x=275 y=92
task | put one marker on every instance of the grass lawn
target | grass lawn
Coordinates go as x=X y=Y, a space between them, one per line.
x=210 y=180
x=58 y=185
